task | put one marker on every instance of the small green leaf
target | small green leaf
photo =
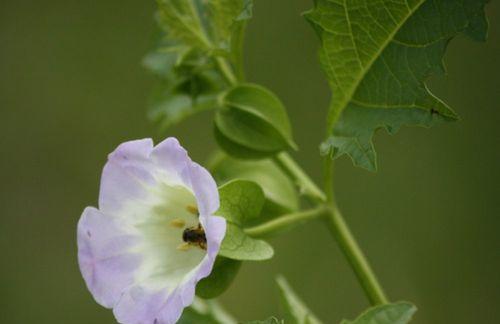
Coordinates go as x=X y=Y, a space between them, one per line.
x=227 y=16
x=170 y=109
x=239 y=246
x=241 y=203
x=255 y=120
x=280 y=192
x=377 y=56
x=270 y=320
x=181 y=20
x=397 y=313
x=194 y=34
x=205 y=312
x=221 y=277
x=297 y=312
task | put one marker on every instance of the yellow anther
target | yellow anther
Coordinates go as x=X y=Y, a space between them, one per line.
x=177 y=222
x=192 y=209
x=184 y=247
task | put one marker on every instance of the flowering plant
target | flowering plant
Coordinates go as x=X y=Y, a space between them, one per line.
x=166 y=231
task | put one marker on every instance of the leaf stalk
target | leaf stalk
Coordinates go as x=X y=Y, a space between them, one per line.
x=286 y=222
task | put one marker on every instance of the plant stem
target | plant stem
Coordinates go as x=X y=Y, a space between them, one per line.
x=286 y=222
x=293 y=170
x=353 y=253
x=336 y=222
x=226 y=70
x=356 y=258
x=328 y=177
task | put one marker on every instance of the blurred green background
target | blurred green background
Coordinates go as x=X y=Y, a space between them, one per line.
x=72 y=88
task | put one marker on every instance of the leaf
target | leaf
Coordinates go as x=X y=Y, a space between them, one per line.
x=205 y=312
x=279 y=191
x=296 y=311
x=241 y=202
x=181 y=20
x=377 y=56
x=270 y=320
x=397 y=313
x=194 y=34
x=221 y=277
x=227 y=16
x=170 y=109
x=254 y=121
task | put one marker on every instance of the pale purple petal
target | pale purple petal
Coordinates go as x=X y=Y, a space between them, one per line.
x=171 y=157
x=204 y=188
x=132 y=187
x=104 y=258
x=125 y=175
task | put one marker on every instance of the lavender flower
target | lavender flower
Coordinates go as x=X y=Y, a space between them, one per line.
x=154 y=235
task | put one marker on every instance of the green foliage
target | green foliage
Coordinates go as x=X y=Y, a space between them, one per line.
x=377 y=56
x=195 y=34
x=296 y=311
x=279 y=191
x=221 y=277
x=241 y=203
x=205 y=312
x=270 y=320
x=397 y=313
x=253 y=123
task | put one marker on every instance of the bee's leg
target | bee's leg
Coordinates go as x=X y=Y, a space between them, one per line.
x=184 y=246
x=203 y=245
x=177 y=222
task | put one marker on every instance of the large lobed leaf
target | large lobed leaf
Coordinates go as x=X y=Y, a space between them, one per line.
x=377 y=56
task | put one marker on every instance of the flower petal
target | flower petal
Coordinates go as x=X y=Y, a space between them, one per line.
x=104 y=256
x=126 y=175
x=171 y=158
x=204 y=188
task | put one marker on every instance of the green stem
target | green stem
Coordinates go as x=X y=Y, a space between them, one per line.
x=237 y=50
x=306 y=185
x=286 y=222
x=336 y=223
x=348 y=244
x=356 y=258
x=328 y=183
x=226 y=70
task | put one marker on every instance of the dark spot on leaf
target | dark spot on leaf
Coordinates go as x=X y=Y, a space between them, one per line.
x=434 y=111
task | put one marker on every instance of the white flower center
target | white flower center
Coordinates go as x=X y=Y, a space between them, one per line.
x=160 y=222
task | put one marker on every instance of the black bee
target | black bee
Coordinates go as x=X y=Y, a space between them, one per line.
x=195 y=236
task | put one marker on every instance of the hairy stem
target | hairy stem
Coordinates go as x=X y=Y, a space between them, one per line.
x=287 y=221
